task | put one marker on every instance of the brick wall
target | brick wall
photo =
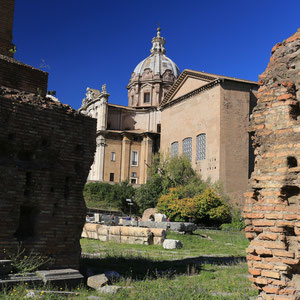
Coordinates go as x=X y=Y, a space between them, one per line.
x=6 y=26
x=46 y=149
x=272 y=209
x=14 y=74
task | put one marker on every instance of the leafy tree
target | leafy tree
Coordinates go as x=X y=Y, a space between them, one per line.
x=105 y=195
x=122 y=192
x=205 y=207
x=147 y=195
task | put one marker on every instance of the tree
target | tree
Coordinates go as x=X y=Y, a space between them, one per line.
x=147 y=195
x=107 y=196
x=205 y=207
x=166 y=172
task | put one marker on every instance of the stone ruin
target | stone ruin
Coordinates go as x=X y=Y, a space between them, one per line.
x=46 y=150
x=272 y=209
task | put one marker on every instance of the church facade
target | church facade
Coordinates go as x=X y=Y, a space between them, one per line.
x=201 y=115
x=127 y=136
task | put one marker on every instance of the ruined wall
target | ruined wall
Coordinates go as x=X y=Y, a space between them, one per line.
x=46 y=149
x=272 y=209
x=6 y=26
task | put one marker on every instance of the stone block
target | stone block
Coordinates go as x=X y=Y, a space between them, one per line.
x=97 y=218
x=15 y=279
x=5 y=267
x=172 y=244
x=62 y=277
x=160 y=218
x=97 y=281
x=109 y=289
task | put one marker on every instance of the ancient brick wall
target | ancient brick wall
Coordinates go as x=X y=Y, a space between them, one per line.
x=6 y=26
x=46 y=149
x=14 y=74
x=272 y=208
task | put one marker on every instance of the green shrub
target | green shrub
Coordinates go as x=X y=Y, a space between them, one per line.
x=205 y=207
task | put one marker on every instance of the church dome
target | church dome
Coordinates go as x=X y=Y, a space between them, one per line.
x=157 y=62
x=153 y=77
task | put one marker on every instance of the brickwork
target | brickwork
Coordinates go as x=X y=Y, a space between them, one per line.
x=46 y=149
x=272 y=209
x=6 y=26
x=16 y=75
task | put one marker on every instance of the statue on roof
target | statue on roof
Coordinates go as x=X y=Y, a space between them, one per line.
x=103 y=91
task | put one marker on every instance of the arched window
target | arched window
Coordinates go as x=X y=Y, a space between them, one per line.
x=201 y=146
x=174 y=149
x=187 y=147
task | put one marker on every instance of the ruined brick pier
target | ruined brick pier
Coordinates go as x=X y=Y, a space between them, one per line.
x=46 y=150
x=272 y=209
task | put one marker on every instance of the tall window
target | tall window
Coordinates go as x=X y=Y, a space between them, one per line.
x=113 y=156
x=201 y=146
x=174 y=149
x=187 y=147
x=146 y=97
x=134 y=158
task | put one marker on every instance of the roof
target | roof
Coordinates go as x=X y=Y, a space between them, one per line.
x=211 y=79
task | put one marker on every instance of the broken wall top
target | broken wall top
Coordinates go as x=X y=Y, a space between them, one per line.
x=272 y=209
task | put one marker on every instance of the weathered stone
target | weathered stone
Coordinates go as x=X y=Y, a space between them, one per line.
x=62 y=277
x=97 y=281
x=273 y=203
x=5 y=267
x=15 y=279
x=109 y=289
x=172 y=244
x=149 y=213
x=112 y=276
x=160 y=218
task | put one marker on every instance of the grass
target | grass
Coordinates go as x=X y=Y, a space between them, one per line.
x=202 y=269
x=222 y=243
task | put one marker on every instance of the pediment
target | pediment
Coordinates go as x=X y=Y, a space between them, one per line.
x=187 y=82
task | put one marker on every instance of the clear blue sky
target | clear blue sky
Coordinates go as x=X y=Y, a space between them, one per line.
x=88 y=43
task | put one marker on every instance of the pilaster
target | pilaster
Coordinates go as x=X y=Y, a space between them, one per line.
x=125 y=165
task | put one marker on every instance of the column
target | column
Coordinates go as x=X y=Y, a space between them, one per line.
x=99 y=158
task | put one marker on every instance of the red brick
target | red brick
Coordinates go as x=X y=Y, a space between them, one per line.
x=272 y=274
x=268 y=236
x=263 y=223
x=271 y=289
x=283 y=253
x=254 y=272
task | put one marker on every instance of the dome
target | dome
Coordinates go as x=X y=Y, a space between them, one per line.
x=157 y=62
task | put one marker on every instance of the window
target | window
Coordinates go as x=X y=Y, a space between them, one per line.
x=201 y=146
x=187 y=147
x=146 y=97
x=113 y=156
x=111 y=176
x=133 y=180
x=158 y=128
x=174 y=149
x=133 y=174
x=134 y=158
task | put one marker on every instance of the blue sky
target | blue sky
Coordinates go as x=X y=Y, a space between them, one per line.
x=88 y=43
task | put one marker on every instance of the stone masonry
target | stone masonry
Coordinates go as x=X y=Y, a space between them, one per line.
x=46 y=150
x=272 y=209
